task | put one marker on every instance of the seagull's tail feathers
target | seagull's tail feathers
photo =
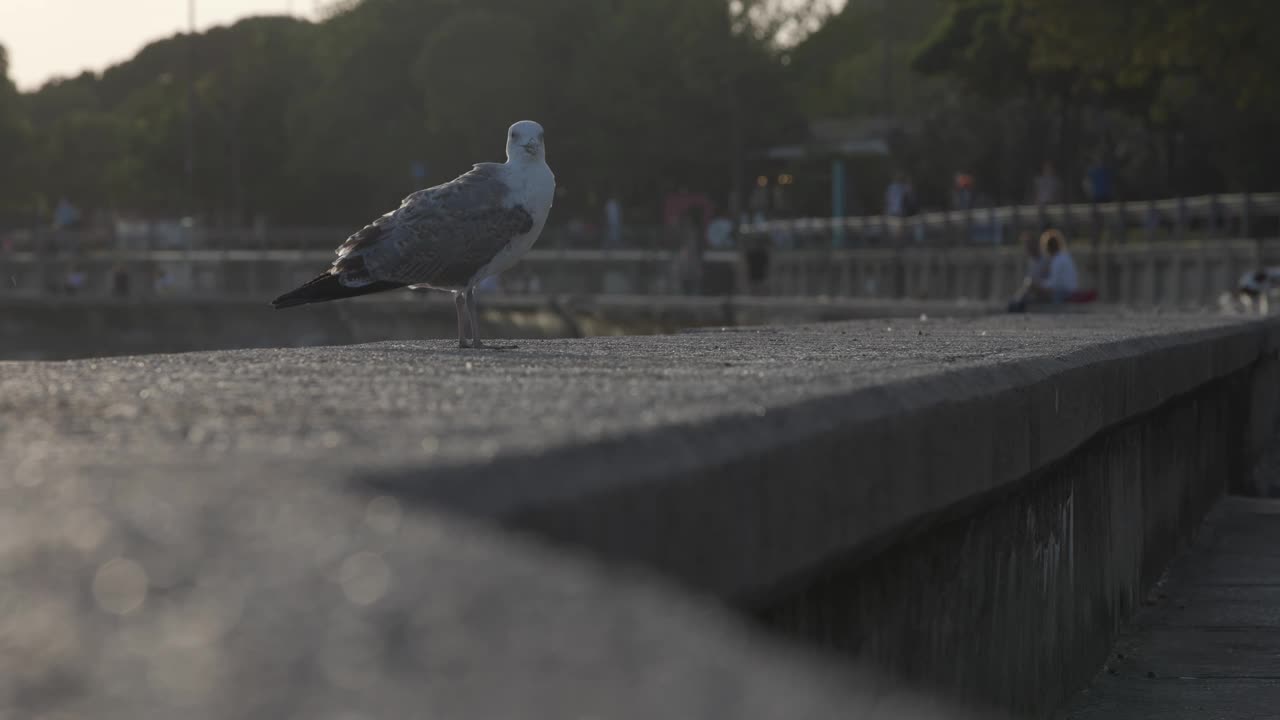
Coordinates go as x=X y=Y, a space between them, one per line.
x=326 y=288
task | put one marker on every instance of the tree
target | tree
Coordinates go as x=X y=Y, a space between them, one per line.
x=859 y=62
x=320 y=123
x=16 y=196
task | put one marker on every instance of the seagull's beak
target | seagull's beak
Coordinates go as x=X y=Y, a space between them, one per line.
x=532 y=147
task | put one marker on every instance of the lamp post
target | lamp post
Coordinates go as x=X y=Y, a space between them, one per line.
x=191 y=88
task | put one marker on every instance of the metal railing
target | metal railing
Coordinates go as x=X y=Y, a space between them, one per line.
x=266 y=272
x=859 y=256
x=1241 y=215
x=168 y=237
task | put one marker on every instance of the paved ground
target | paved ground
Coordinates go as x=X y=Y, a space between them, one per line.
x=1207 y=644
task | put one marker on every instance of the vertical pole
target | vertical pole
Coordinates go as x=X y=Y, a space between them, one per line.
x=1181 y=221
x=886 y=66
x=837 y=203
x=191 y=88
x=1015 y=224
x=1246 y=216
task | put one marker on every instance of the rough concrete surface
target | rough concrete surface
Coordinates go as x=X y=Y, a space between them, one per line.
x=288 y=533
x=1207 y=642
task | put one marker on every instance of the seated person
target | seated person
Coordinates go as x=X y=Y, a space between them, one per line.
x=1256 y=282
x=1059 y=280
x=1254 y=287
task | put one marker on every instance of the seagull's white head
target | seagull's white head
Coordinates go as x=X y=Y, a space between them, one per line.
x=524 y=142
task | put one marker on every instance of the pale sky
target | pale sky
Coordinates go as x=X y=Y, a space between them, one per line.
x=62 y=38
x=47 y=38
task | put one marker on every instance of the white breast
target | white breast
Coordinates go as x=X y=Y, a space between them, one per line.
x=533 y=187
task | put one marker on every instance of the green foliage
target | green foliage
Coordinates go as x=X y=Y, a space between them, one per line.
x=321 y=122
x=842 y=69
x=16 y=195
x=1154 y=69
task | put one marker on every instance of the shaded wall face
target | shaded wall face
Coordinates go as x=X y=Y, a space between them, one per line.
x=1016 y=604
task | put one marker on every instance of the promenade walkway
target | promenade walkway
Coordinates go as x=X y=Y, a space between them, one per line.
x=1207 y=644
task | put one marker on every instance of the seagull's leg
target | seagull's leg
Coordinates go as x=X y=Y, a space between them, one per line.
x=475 y=326
x=475 y=321
x=460 y=304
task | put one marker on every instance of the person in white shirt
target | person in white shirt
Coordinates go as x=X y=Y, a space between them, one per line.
x=1053 y=278
x=1062 y=280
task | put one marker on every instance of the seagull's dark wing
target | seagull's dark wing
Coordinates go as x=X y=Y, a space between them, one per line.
x=440 y=236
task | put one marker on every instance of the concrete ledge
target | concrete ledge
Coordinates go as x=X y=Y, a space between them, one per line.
x=745 y=501
x=770 y=467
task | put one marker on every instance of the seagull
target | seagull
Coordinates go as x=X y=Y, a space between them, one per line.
x=448 y=237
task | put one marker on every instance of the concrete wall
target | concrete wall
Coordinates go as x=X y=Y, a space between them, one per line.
x=984 y=531
x=976 y=504
x=1017 y=601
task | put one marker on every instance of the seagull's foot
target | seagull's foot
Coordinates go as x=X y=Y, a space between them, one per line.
x=463 y=344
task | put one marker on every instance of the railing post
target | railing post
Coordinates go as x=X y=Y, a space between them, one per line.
x=1246 y=216
x=1213 y=230
x=1180 y=223
x=1118 y=234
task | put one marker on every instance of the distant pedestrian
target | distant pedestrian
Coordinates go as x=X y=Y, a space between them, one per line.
x=897 y=196
x=1099 y=182
x=65 y=218
x=65 y=215
x=687 y=263
x=75 y=281
x=962 y=193
x=1048 y=186
x=720 y=233
x=613 y=223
